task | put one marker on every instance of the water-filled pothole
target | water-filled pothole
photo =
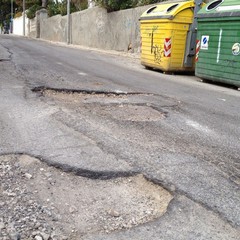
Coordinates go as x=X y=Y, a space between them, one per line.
x=51 y=199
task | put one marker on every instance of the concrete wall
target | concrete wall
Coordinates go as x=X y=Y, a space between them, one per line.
x=95 y=27
x=117 y=30
x=54 y=28
x=32 y=28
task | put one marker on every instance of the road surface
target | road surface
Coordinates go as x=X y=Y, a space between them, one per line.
x=102 y=116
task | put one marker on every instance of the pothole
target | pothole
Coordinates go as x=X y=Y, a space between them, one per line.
x=40 y=200
x=117 y=105
x=129 y=112
x=44 y=90
x=5 y=60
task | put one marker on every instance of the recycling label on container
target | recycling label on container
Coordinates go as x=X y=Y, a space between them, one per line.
x=236 y=49
x=204 y=42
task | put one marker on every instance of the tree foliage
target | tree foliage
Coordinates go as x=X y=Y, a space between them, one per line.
x=28 y=3
x=31 y=11
x=115 y=5
x=5 y=11
x=55 y=7
x=80 y=4
x=60 y=8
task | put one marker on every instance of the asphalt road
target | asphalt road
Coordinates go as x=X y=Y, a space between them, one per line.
x=179 y=132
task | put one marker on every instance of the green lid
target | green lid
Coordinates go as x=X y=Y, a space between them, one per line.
x=220 y=8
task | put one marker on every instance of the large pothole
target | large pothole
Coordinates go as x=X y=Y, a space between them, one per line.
x=117 y=105
x=39 y=200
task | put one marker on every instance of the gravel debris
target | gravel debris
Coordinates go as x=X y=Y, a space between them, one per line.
x=40 y=202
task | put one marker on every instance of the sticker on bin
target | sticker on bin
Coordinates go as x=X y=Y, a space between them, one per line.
x=228 y=8
x=167 y=47
x=204 y=42
x=197 y=49
x=236 y=49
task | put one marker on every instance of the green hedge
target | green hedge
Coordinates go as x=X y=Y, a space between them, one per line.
x=31 y=12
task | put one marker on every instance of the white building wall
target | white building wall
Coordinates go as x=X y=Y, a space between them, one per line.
x=18 y=26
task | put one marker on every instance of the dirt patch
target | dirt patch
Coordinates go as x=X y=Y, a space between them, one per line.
x=130 y=112
x=121 y=106
x=42 y=202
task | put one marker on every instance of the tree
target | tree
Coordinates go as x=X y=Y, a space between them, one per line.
x=80 y=4
x=5 y=12
x=28 y=3
x=115 y=5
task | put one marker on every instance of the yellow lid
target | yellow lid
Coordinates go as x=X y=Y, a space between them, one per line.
x=167 y=10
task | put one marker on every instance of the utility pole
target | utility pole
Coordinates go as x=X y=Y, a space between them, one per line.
x=68 y=21
x=11 y=28
x=23 y=17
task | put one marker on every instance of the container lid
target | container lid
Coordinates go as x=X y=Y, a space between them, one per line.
x=220 y=8
x=166 y=10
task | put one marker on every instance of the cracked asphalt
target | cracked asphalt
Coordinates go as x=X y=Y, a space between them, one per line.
x=101 y=115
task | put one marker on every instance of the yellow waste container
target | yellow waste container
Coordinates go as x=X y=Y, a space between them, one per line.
x=166 y=29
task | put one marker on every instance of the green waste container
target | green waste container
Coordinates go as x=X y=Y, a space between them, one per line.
x=218 y=42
